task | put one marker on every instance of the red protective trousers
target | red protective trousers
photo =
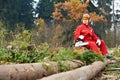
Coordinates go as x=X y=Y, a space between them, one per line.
x=91 y=38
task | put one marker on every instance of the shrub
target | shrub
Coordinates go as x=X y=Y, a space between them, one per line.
x=89 y=57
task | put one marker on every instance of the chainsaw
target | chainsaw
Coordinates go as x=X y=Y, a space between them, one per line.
x=80 y=44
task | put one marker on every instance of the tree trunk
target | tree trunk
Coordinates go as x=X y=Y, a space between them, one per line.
x=83 y=73
x=32 y=71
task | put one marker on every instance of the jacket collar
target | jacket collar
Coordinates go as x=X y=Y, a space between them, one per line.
x=85 y=25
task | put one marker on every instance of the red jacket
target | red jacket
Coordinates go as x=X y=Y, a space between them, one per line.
x=86 y=31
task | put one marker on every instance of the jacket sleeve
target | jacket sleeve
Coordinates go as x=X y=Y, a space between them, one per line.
x=77 y=33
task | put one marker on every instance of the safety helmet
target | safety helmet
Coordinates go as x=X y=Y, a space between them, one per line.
x=86 y=16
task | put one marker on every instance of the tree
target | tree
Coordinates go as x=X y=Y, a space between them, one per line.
x=26 y=13
x=44 y=9
x=105 y=9
x=16 y=12
x=57 y=1
x=69 y=10
x=72 y=10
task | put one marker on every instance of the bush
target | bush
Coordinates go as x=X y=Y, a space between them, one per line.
x=89 y=57
x=63 y=54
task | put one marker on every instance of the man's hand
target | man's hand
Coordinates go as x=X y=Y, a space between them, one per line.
x=81 y=37
x=98 y=42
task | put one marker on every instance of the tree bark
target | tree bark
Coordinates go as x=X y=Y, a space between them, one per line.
x=83 y=73
x=32 y=71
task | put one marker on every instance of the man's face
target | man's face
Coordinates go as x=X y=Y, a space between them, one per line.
x=85 y=21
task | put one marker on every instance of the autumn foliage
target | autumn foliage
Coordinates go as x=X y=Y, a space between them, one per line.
x=72 y=10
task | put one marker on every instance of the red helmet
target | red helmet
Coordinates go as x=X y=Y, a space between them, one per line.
x=86 y=16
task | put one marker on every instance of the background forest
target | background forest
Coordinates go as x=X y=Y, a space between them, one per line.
x=26 y=25
x=54 y=21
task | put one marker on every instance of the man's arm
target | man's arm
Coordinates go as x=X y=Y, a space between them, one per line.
x=77 y=33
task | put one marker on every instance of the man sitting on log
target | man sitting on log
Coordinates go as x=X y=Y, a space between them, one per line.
x=86 y=34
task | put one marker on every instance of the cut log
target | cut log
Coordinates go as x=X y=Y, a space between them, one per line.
x=83 y=73
x=32 y=71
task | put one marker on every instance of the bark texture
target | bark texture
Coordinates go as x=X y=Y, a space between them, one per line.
x=83 y=73
x=32 y=71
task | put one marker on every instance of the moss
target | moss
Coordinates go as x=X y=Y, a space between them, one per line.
x=64 y=66
x=47 y=66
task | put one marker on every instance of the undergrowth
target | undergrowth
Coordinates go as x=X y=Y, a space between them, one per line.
x=43 y=52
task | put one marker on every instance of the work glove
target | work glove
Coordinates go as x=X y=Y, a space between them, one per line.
x=98 y=42
x=81 y=37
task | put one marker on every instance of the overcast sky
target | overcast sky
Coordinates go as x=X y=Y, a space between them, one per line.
x=117 y=4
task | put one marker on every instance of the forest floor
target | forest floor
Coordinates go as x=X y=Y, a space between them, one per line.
x=112 y=70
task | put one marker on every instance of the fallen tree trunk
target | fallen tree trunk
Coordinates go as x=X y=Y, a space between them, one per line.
x=32 y=71
x=83 y=73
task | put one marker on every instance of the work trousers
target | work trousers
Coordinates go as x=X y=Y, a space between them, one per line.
x=94 y=47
